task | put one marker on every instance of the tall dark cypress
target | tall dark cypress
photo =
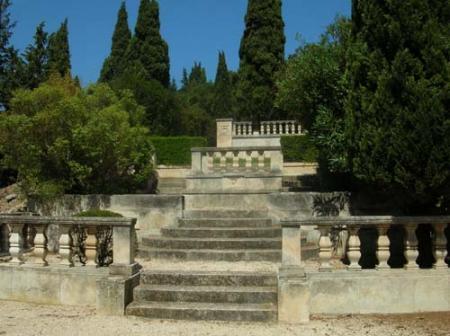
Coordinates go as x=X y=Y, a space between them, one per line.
x=398 y=110
x=36 y=57
x=223 y=90
x=261 y=57
x=59 y=51
x=115 y=64
x=148 y=47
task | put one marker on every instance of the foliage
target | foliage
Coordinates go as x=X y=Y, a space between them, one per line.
x=175 y=151
x=98 y=213
x=298 y=149
x=59 y=51
x=261 y=57
x=148 y=47
x=62 y=139
x=398 y=109
x=115 y=63
x=36 y=57
x=222 y=105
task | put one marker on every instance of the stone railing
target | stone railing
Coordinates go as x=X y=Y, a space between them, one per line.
x=207 y=161
x=353 y=251
x=82 y=241
x=280 y=127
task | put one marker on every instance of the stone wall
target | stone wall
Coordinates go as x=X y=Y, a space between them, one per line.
x=151 y=211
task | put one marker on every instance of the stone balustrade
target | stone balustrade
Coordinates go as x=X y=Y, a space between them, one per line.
x=82 y=241
x=279 y=127
x=353 y=252
x=260 y=160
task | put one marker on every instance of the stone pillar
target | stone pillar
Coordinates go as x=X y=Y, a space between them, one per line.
x=124 y=246
x=196 y=162
x=16 y=244
x=293 y=289
x=325 y=247
x=383 y=247
x=40 y=246
x=354 y=249
x=440 y=246
x=224 y=133
x=65 y=246
x=411 y=247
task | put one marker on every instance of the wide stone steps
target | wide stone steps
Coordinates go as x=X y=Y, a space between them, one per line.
x=167 y=293
x=211 y=254
x=233 y=214
x=214 y=232
x=226 y=296
x=200 y=278
x=225 y=222
x=203 y=311
x=212 y=243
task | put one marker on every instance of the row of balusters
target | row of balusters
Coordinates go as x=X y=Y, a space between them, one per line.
x=76 y=245
x=384 y=247
x=267 y=128
x=238 y=161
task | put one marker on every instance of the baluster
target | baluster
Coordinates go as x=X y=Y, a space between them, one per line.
x=440 y=246
x=223 y=161
x=242 y=160
x=299 y=129
x=91 y=246
x=261 y=160
x=261 y=128
x=65 y=246
x=248 y=160
x=354 y=249
x=235 y=161
x=250 y=127
x=411 y=247
x=290 y=128
x=16 y=243
x=233 y=129
x=210 y=162
x=383 y=247
x=325 y=249
x=40 y=246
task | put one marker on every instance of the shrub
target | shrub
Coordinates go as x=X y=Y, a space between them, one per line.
x=98 y=213
x=176 y=151
x=298 y=149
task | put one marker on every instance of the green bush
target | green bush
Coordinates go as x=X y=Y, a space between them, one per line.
x=298 y=149
x=98 y=213
x=176 y=151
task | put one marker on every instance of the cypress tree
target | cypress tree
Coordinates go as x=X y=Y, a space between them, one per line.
x=36 y=56
x=148 y=47
x=261 y=57
x=185 y=79
x=398 y=110
x=11 y=65
x=223 y=90
x=59 y=51
x=116 y=62
x=198 y=74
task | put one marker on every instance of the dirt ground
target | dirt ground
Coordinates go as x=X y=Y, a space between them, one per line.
x=26 y=319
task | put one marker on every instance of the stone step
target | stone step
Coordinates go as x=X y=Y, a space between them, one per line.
x=225 y=213
x=203 y=278
x=216 y=255
x=225 y=222
x=271 y=232
x=211 y=243
x=212 y=294
x=203 y=311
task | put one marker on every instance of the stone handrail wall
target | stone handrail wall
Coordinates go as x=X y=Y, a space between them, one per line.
x=26 y=242
x=279 y=127
x=352 y=225
x=207 y=161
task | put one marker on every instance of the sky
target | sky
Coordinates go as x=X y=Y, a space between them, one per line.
x=196 y=30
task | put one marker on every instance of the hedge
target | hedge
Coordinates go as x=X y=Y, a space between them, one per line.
x=298 y=149
x=98 y=213
x=176 y=151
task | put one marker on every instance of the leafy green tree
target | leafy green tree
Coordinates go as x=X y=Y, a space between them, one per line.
x=261 y=57
x=116 y=62
x=398 y=109
x=147 y=45
x=223 y=90
x=197 y=75
x=59 y=51
x=65 y=140
x=312 y=89
x=36 y=57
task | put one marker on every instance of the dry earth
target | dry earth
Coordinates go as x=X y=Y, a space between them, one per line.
x=27 y=319
x=16 y=205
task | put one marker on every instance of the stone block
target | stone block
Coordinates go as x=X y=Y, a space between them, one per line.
x=293 y=297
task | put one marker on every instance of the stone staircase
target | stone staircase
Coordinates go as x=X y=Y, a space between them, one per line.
x=210 y=237
x=171 y=185
x=218 y=236
x=198 y=295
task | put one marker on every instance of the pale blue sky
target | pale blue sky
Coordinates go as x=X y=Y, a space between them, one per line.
x=195 y=29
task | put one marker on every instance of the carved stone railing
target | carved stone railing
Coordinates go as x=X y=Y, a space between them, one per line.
x=278 y=127
x=261 y=160
x=82 y=241
x=353 y=252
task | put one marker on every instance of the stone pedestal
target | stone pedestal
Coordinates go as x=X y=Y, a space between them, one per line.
x=293 y=295
x=224 y=133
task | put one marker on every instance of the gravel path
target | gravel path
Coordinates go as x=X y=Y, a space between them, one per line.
x=26 y=319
